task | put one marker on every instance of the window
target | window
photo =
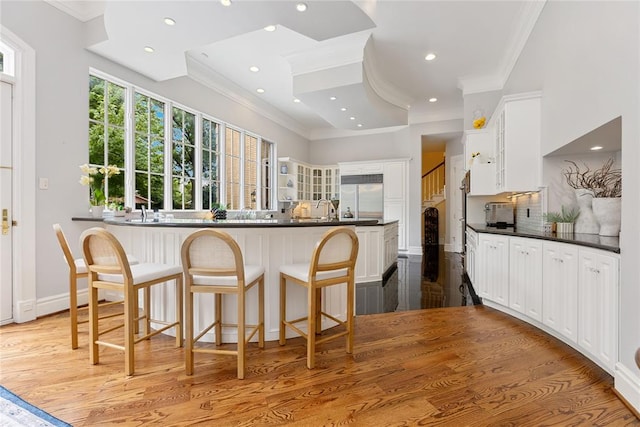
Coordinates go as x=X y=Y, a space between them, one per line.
x=7 y=60
x=232 y=168
x=250 y=171
x=183 y=155
x=106 y=133
x=210 y=165
x=178 y=159
x=149 y=152
x=266 y=172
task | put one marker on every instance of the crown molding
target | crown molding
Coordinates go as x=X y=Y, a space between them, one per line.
x=213 y=80
x=332 y=133
x=523 y=28
x=81 y=10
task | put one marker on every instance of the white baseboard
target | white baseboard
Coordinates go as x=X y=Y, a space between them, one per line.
x=25 y=311
x=414 y=250
x=60 y=302
x=627 y=384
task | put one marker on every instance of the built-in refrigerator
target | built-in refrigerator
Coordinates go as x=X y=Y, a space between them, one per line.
x=362 y=195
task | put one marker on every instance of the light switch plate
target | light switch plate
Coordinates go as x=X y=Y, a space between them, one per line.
x=44 y=183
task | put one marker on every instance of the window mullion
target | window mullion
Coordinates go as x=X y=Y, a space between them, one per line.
x=168 y=155
x=197 y=163
x=129 y=146
x=222 y=136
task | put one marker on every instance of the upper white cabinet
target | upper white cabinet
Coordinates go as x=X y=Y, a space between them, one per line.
x=299 y=181
x=525 y=276
x=598 y=276
x=516 y=129
x=360 y=168
x=482 y=167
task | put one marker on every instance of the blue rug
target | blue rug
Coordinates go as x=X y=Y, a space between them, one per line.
x=16 y=412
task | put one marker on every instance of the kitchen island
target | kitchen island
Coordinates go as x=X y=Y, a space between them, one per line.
x=267 y=242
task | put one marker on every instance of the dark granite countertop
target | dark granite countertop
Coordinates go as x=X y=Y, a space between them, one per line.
x=611 y=244
x=232 y=223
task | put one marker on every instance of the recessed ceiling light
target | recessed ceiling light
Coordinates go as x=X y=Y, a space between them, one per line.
x=148 y=49
x=433 y=99
x=343 y=109
x=301 y=7
x=359 y=125
x=333 y=98
x=596 y=148
x=296 y=100
x=352 y=118
x=260 y=90
x=169 y=21
x=430 y=57
x=225 y=2
x=254 y=69
x=270 y=28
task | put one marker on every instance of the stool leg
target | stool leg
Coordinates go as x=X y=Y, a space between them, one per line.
x=242 y=339
x=130 y=313
x=351 y=288
x=94 y=355
x=311 y=324
x=73 y=308
x=188 y=350
x=261 y=312
x=147 y=311
x=318 y=311
x=218 y=318
x=179 y=311
x=283 y=308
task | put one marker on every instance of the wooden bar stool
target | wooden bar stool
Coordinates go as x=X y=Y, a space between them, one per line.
x=108 y=268
x=332 y=262
x=78 y=270
x=213 y=263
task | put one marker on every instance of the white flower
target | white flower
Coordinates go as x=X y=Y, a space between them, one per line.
x=86 y=180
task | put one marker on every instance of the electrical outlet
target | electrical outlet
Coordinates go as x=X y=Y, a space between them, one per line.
x=44 y=183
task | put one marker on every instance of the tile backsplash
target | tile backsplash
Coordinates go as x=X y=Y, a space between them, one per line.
x=529 y=212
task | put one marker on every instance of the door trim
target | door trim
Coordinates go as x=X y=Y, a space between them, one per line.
x=24 y=182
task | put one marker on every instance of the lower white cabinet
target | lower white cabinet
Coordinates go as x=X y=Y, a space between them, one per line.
x=567 y=290
x=493 y=268
x=471 y=263
x=560 y=288
x=598 y=277
x=525 y=276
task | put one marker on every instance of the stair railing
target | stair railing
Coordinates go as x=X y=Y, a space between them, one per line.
x=433 y=182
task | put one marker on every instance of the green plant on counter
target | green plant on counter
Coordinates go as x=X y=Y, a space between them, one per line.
x=569 y=215
x=551 y=217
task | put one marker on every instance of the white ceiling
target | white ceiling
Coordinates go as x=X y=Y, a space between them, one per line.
x=369 y=54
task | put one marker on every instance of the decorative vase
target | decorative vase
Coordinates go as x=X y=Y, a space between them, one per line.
x=607 y=212
x=96 y=211
x=586 y=222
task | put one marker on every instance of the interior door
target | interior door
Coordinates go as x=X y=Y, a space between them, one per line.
x=6 y=245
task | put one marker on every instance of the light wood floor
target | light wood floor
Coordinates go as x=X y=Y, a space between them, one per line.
x=465 y=366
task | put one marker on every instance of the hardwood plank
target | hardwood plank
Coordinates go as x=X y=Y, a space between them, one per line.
x=464 y=366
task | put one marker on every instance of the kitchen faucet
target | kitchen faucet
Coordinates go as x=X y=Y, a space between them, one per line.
x=244 y=212
x=326 y=203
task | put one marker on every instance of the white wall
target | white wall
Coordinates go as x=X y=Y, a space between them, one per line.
x=584 y=58
x=62 y=67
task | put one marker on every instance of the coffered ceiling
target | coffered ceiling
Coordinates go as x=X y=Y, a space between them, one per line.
x=369 y=55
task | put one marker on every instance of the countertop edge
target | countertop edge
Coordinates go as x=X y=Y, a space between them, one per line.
x=202 y=223
x=610 y=244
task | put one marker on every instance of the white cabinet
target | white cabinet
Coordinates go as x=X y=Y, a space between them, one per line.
x=360 y=168
x=470 y=259
x=493 y=268
x=525 y=276
x=482 y=168
x=560 y=288
x=377 y=251
x=395 y=186
x=304 y=181
x=287 y=180
x=598 y=275
x=516 y=127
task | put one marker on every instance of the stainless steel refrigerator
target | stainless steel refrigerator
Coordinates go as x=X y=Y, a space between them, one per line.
x=362 y=195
